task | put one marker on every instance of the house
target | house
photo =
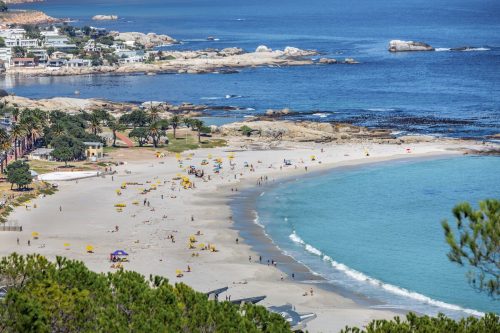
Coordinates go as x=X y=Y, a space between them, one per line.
x=91 y=46
x=22 y=42
x=56 y=63
x=58 y=42
x=78 y=63
x=41 y=154
x=24 y=62
x=131 y=60
x=6 y=55
x=61 y=55
x=40 y=54
x=94 y=150
x=12 y=33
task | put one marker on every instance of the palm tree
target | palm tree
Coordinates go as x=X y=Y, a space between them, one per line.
x=154 y=114
x=197 y=125
x=156 y=130
x=95 y=123
x=17 y=132
x=175 y=122
x=115 y=126
x=187 y=122
x=5 y=145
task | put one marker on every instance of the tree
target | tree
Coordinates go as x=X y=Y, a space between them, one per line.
x=247 y=131
x=2 y=42
x=490 y=323
x=3 y=7
x=477 y=244
x=175 y=122
x=18 y=173
x=115 y=126
x=5 y=145
x=197 y=125
x=156 y=130
x=16 y=133
x=65 y=296
x=141 y=134
x=67 y=148
x=137 y=118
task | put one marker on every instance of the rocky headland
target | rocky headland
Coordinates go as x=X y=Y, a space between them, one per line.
x=20 y=17
x=190 y=62
x=149 y=40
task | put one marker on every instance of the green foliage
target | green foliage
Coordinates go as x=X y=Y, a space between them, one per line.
x=136 y=118
x=18 y=173
x=67 y=297
x=3 y=6
x=245 y=130
x=477 y=244
x=425 y=324
x=68 y=148
x=2 y=40
x=141 y=134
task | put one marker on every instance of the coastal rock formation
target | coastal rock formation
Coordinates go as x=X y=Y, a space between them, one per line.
x=149 y=40
x=305 y=131
x=406 y=46
x=27 y=17
x=191 y=62
x=105 y=17
x=21 y=1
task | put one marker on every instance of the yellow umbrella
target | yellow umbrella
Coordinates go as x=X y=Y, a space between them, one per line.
x=90 y=249
x=35 y=234
x=67 y=245
x=179 y=273
x=209 y=156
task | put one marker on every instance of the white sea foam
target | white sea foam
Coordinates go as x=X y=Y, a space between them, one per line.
x=250 y=109
x=358 y=276
x=211 y=98
x=233 y=96
x=256 y=220
x=321 y=115
x=262 y=194
x=442 y=49
x=467 y=49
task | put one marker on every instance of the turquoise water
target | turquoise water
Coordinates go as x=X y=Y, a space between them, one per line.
x=377 y=229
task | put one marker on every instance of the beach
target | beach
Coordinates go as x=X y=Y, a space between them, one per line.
x=83 y=213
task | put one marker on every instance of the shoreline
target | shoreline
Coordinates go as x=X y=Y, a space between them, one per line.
x=243 y=206
x=88 y=217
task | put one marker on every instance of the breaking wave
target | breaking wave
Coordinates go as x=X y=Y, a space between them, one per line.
x=358 y=276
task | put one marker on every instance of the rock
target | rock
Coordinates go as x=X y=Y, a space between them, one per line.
x=263 y=48
x=149 y=40
x=350 y=61
x=229 y=51
x=327 y=61
x=405 y=46
x=3 y=93
x=105 y=18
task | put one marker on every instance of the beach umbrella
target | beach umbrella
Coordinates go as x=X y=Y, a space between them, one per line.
x=89 y=249
x=178 y=273
x=35 y=234
x=67 y=245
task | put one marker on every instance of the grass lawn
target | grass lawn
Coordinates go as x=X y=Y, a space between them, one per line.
x=191 y=142
x=42 y=167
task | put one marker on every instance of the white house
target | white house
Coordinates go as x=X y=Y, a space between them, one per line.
x=23 y=42
x=76 y=63
x=12 y=33
x=6 y=55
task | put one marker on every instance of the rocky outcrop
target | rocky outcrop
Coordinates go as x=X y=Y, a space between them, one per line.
x=263 y=48
x=190 y=62
x=149 y=40
x=327 y=61
x=21 y=1
x=407 y=46
x=27 y=17
x=305 y=131
x=105 y=17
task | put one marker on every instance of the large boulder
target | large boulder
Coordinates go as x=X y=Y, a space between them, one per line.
x=105 y=18
x=406 y=46
x=263 y=48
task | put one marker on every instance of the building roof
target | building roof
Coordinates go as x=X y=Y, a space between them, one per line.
x=93 y=143
x=42 y=151
x=23 y=59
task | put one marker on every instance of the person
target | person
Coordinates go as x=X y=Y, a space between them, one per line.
x=260 y=259
x=281 y=277
x=250 y=258
x=192 y=218
x=293 y=276
x=237 y=240
x=145 y=201
x=311 y=291
x=60 y=208
x=117 y=228
x=162 y=196
x=112 y=178
x=306 y=168
x=17 y=240
x=29 y=242
x=189 y=268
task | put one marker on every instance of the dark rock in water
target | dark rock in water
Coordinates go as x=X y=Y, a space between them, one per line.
x=463 y=48
x=406 y=46
x=3 y=93
x=210 y=38
x=327 y=61
x=228 y=71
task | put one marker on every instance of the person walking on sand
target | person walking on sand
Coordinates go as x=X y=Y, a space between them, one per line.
x=60 y=208
x=311 y=291
x=17 y=240
x=260 y=259
x=29 y=242
x=237 y=240
x=249 y=258
x=145 y=201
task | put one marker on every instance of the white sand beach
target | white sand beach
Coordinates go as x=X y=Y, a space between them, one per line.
x=83 y=213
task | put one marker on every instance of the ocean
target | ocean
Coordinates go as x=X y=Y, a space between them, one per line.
x=376 y=230
x=442 y=93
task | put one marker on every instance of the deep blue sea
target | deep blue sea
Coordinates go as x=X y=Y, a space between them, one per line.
x=444 y=93
x=377 y=229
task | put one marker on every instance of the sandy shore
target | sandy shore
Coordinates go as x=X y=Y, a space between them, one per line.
x=88 y=217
